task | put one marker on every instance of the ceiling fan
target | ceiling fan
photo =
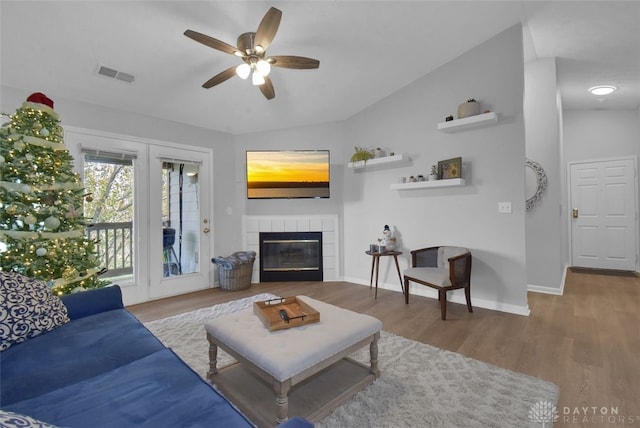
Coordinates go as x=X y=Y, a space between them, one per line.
x=252 y=48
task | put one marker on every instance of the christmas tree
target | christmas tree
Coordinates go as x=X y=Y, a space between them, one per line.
x=42 y=229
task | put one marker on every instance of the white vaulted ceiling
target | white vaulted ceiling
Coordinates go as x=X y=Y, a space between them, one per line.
x=367 y=50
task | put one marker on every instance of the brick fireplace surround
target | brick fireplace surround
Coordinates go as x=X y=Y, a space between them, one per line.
x=327 y=224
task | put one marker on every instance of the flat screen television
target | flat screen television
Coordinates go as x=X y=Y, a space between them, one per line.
x=287 y=174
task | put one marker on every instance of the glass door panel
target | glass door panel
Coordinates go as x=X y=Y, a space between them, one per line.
x=109 y=204
x=180 y=218
x=179 y=221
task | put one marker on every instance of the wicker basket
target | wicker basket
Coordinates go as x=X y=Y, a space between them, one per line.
x=234 y=272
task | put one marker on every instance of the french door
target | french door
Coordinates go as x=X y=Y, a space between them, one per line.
x=603 y=210
x=179 y=220
x=150 y=204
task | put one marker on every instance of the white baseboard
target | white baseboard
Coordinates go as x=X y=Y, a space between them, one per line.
x=550 y=290
x=544 y=290
x=456 y=296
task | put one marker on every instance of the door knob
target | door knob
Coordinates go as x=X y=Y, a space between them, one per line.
x=205 y=230
x=574 y=213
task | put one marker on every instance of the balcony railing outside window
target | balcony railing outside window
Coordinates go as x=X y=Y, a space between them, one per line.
x=114 y=246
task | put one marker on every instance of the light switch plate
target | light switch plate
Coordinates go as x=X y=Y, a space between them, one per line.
x=504 y=207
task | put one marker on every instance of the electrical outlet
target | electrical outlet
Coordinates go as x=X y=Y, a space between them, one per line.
x=504 y=207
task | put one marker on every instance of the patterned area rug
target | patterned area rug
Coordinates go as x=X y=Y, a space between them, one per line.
x=420 y=385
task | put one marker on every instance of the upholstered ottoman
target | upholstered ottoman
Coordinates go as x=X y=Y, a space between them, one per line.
x=306 y=366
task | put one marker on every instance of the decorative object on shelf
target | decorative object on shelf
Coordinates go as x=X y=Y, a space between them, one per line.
x=434 y=173
x=469 y=122
x=378 y=153
x=470 y=108
x=448 y=118
x=361 y=154
x=411 y=179
x=402 y=179
x=420 y=177
x=388 y=241
x=383 y=162
x=392 y=154
x=540 y=183
x=450 y=168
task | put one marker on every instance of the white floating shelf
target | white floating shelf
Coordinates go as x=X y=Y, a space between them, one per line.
x=385 y=160
x=449 y=182
x=469 y=122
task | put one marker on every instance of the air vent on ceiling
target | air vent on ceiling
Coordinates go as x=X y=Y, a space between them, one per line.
x=110 y=72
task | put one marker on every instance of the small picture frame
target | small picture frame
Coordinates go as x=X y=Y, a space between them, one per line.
x=450 y=168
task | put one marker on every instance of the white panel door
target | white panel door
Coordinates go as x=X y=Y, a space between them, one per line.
x=603 y=210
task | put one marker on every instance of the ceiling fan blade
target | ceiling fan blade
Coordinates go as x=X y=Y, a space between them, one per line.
x=220 y=77
x=268 y=28
x=267 y=88
x=211 y=42
x=298 y=62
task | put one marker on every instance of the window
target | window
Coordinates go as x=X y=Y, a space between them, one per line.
x=109 y=207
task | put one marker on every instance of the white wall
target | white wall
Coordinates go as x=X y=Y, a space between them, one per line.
x=493 y=167
x=542 y=112
x=601 y=134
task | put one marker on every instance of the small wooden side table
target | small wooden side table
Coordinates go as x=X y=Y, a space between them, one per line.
x=375 y=265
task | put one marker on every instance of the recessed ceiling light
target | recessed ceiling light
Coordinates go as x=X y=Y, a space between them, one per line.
x=602 y=89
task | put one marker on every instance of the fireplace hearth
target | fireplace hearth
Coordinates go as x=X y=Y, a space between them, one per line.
x=291 y=256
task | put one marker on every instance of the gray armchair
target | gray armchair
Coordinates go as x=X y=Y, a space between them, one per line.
x=443 y=268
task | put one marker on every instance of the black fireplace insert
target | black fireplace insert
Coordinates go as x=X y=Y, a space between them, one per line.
x=290 y=256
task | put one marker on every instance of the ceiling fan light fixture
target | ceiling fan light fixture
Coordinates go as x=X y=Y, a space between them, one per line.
x=243 y=71
x=602 y=89
x=257 y=79
x=251 y=47
x=263 y=67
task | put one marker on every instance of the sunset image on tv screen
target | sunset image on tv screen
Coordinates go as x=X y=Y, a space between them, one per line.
x=288 y=174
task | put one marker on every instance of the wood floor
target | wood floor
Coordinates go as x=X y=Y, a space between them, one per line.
x=586 y=341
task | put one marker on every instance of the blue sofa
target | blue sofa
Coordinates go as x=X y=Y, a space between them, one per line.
x=105 y=369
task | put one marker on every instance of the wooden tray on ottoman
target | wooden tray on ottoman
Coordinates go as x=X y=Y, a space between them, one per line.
x=297 y=313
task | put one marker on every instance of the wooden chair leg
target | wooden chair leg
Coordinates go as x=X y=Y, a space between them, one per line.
x=442 y=296
x=406 y=291
x=467 y=293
